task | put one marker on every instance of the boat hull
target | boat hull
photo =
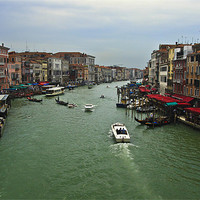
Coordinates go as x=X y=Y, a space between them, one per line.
x=55 y=94
x=121 y=105
x=89 y=107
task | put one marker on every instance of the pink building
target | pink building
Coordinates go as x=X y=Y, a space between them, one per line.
x=3 y=67
x=14 y=69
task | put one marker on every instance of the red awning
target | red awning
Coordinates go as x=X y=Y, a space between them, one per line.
x=154 y=89
x=162 y=98
x=143 y=89
x=184 y=104
x=193 y=110
x=182 y=97
x=167 y=94
x=147 y=86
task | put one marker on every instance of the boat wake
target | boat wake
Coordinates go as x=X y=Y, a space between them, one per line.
x=122 y=150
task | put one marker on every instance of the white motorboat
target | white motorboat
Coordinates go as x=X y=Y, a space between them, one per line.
x=120 y=132
x=89 y=107
x=55 y=91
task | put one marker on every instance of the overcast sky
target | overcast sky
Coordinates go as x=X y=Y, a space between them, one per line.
x=116 y=32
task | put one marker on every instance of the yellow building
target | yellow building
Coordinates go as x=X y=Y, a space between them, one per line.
x=44 y=70
x=170 y=70
x=193 y=75
x=86 y=76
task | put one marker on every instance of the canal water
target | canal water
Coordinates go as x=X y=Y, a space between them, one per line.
x=49 y=151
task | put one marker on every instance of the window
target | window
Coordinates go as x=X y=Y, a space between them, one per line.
x=192 y=58
x=163 y=79
x=191 y=91
x=197 y=92
x=163 y=69
x=187 y=92
x=190 y=81
x=198 y=58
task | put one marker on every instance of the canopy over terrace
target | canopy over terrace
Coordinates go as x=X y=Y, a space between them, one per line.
x=182 y=97
x=193 y=110
x=168 y=101
x=144 y=90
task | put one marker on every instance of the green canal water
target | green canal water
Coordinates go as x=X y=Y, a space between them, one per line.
x=49 y=151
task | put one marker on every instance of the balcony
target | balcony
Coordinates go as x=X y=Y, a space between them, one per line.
x=2 y=63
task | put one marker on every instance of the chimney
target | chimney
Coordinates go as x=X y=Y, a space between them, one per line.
x=2 y=44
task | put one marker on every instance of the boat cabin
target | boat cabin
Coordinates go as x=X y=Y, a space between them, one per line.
x=55 y=91
x=46 y=87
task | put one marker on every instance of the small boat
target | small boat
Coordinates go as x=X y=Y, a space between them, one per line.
x=54 y=91
x=2 y=124
x=71 y=105
x=142 y=121
x=149 y=109
x=158 y=122
x=102 y=96
x=34 y=99
x=89 y=107
x=90 y=86
x=120 y=132
x=4 y=105
x=121 y=105
x=61 y=102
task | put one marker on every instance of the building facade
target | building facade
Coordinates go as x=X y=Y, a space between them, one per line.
x=4 y=81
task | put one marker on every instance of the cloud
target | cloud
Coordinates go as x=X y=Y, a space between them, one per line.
x=100 y=26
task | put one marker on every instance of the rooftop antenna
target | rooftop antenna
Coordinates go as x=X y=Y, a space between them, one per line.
x=182 y=39
x=26 y=46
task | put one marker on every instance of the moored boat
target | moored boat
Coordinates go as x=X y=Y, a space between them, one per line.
x=121 y=105
x=55 y=91
x=144 y=109
x=120 y=132
x=5 y=104
x=141 y=121
x=90 y=86
x=160 y=121
x=2 y=124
